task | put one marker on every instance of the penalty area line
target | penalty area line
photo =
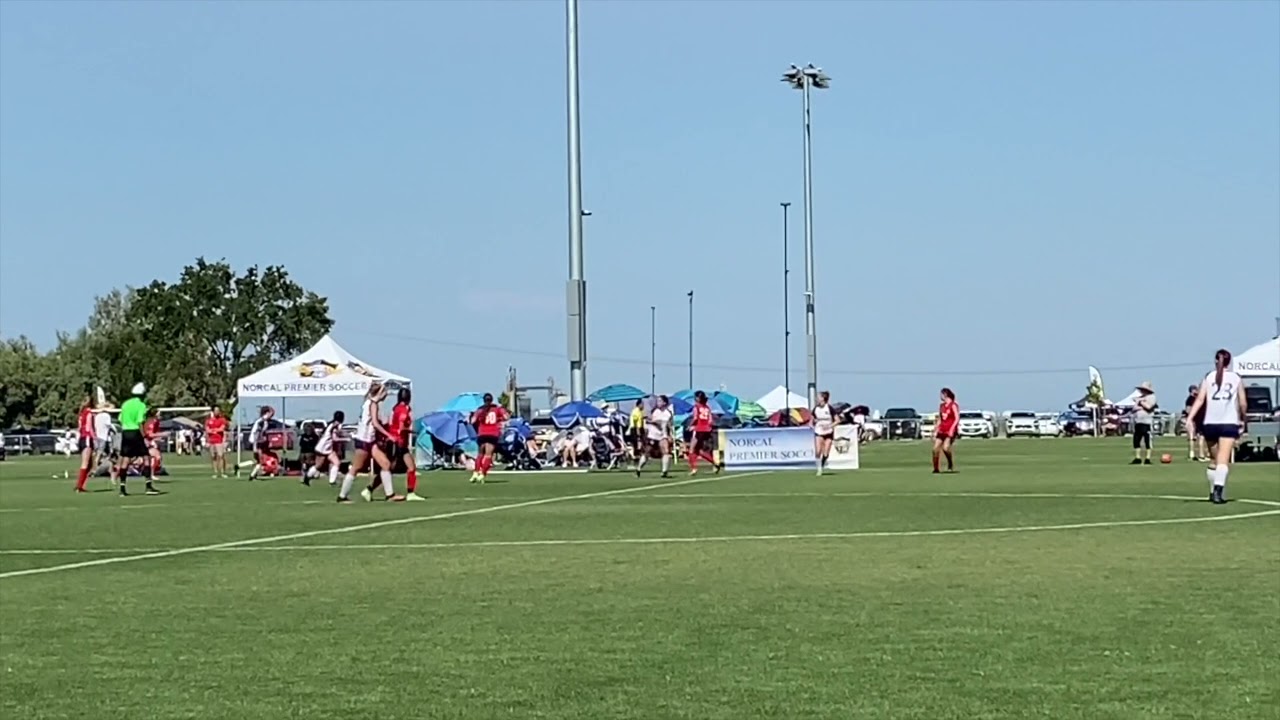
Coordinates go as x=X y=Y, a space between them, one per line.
x=174 y=552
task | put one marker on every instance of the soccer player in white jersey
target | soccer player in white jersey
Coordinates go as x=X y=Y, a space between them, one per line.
x=368 y=430
x=1224 y=415
x=327 y=451
x=824 y=429
x=658 y=433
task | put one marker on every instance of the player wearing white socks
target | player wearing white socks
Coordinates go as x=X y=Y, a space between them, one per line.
x=258 y=438
x=327 y=452
x=1224 y=415
x=367 y=449
x=658 y=432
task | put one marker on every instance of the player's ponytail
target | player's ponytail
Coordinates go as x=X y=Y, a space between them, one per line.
x=950 y=395
x=1221 y=360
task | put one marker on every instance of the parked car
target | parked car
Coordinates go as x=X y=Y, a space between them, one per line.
x=902 y=423
x=30 y=441
x=1047 y=425
x=975 y=424
x=928 y=424
x=1076 y=424
x=1021 y=424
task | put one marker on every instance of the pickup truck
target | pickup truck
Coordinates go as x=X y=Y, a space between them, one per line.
x=902 y=423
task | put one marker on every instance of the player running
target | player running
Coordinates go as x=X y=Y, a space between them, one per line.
x=368 y=430
x=823 y=421
x=658 y=432
x=133 y=446
x=327 y=451
x=258 y=439
x=215 y=438
x=85 y=442
x=488 y=420
x=401 y=428
x=703 y=425
x=1224 y=421
x=948 y=430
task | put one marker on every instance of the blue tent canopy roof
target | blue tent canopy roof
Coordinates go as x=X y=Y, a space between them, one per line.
x=617 y=393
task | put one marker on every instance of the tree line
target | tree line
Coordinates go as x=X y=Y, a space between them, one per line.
x=189 y=341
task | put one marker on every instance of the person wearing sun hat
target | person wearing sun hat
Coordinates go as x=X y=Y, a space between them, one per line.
x=1144 y=408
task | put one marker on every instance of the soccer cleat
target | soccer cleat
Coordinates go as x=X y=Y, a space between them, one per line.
x=637 y=472
x=1135 y=461
x=306 y=481
x=343 y=499
x=152 y=491
x=80 y=490
x=665 y=475
x=1147 y=461
x=475 y=478
x=414 y=497
x=366 y=495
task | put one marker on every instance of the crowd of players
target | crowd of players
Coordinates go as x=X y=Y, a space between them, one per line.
x=1215 y=413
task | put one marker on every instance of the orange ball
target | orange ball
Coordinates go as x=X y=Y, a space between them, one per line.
x=1166 y=458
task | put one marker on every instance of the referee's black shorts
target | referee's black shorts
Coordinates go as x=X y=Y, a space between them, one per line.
x=133 y=445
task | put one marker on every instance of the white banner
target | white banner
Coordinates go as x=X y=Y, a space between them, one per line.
x=782 y=448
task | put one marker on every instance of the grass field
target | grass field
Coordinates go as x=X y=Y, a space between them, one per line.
x=1047 y=579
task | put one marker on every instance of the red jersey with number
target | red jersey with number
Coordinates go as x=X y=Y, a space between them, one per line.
x=488 y=420
x=701 y=418
x=85 y=421
x=401 y=421
x=948 y=417
x=215 y=429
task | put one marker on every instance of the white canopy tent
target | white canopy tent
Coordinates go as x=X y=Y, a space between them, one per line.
x=1260 y=360
x=779 y=399
x=325 y=370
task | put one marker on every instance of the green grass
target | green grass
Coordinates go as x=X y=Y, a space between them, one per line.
x=813 y=600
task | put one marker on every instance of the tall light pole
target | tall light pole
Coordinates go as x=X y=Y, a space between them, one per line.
x=653 y=350
x=802 y=79
x=786 y=305
x=576 y=289
x=690 y=339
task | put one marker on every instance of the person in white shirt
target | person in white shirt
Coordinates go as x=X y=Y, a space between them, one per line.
x=369 y=433
x=1224 y=415
x=824 y=429
x=658 y=433
x=102 y=432
x=327 y=451
x=258 y=438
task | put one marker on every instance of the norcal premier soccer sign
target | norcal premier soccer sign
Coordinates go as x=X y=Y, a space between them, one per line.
x=782 y=448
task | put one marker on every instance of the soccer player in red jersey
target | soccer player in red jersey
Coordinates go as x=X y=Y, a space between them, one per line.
x=151 y=432
x=948 y=429
x=401 y=426
x=215 y=438
x=488 y=420
x=85 y=442
x=703 y=425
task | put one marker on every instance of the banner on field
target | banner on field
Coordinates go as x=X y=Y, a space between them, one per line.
x=781 y=448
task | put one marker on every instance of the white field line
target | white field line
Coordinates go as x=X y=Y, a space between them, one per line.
x=256 y=545
x=1031 y=495
x=680 y=540
x=173 y=552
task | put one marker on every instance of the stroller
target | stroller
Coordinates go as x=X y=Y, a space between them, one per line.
x=513 y=450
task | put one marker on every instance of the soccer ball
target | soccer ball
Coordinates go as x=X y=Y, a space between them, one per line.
x=1166 y=458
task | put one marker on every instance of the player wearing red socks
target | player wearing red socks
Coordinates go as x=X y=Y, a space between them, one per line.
x=85 y=442
x=151 y=431
x=401 y=424
x=488 y=420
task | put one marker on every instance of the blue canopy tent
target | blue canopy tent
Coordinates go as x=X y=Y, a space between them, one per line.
x=572 y=413
x=686 y=395
x=728 y=400
x=449 y=429
x=466 y=403
x=618 y=394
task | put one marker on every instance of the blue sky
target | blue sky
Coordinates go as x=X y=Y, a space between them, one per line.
x=1004 y=194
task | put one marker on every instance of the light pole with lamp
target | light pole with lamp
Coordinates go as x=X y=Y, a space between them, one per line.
x=802 y=79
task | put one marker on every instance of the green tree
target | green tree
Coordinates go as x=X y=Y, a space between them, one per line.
x=22 y=370
x=213 y=326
